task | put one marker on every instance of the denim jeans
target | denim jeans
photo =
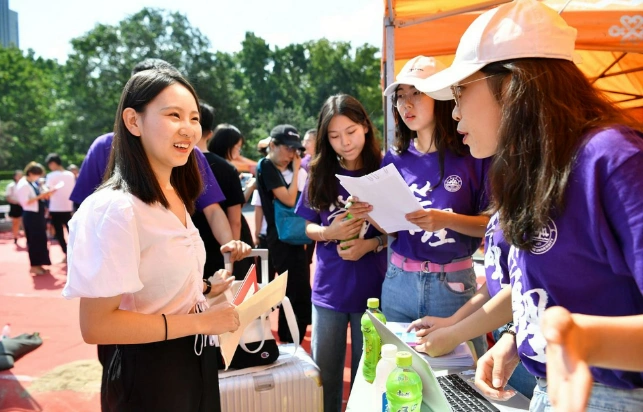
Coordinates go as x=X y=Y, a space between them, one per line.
x=603 y=398
x=521 y=380
x=329 y=351
x=407 y=296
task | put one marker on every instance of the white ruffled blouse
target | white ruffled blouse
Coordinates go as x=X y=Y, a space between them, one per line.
x=119 y=245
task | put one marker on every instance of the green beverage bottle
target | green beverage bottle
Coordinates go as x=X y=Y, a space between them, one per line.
x=372 y=341
x=348 y=217
x=404 y=386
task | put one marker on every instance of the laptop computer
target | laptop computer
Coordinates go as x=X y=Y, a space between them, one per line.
x=455 y=392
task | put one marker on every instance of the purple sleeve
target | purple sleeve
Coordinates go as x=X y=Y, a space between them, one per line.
x=622 y=197
x=93 y=168
x=303 y=207
x=211 y=191
x=388 y=159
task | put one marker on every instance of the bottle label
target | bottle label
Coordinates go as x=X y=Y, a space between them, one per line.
x=384 y=403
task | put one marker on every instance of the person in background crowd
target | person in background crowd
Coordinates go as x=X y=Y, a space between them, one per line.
x=566 y=183
x=278 y=177
x=15 y=210
x=431 y=269
x=60 y=206
x=74 y=169
x=227 y=174
x=32 y=200
x=346 y=274
x=150 y=301
x=309 y=145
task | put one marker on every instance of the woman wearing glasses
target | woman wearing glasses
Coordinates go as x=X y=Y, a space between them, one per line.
x=566 y=183
x=431 y=270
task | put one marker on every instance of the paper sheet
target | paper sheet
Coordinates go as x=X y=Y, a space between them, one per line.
x=388 y=193
x=250 y=309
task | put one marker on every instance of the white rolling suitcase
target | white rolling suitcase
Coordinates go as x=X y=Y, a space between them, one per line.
x=290 y=384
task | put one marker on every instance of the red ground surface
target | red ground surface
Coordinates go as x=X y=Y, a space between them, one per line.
x=34 y=304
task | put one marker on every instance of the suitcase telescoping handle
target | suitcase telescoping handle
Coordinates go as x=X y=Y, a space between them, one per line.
x=263 y=254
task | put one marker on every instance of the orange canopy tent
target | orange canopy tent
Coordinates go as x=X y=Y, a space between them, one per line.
x=610 y=40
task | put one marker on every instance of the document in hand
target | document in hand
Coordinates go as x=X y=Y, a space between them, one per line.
x=249 y=310
x=388 y=193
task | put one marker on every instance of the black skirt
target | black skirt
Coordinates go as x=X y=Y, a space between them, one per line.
x=163 y=376
x=15 y=210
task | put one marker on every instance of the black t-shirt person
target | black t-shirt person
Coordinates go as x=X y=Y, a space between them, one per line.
x=227 y=177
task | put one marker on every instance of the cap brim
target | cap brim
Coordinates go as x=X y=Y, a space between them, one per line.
x=438 y=85
x=295 y=145
x=412 y=81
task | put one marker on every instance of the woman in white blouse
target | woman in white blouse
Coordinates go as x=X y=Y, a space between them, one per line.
x=136 y=260
x=32 y=199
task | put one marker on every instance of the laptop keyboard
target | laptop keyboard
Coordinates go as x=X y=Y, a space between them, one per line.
x=462 y=397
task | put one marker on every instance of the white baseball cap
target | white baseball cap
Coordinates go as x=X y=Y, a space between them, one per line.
x=520 y=29
x=414 y=71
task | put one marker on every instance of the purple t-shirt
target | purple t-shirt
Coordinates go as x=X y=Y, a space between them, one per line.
x=589 y=259
x=496 y=251
x=339 y=284
x=305 y=162
x=95 y=164
x=462 y=191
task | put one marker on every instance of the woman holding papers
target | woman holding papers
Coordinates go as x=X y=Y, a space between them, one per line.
x=349 y=272
x=566 y=182
x=431 y=269
x=136 y=259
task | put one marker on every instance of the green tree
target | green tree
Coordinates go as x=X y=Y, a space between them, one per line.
x=101 y=62
x=27 y=102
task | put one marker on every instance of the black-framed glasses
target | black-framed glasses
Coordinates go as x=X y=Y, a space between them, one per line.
x=456 y=89
x=412 y=98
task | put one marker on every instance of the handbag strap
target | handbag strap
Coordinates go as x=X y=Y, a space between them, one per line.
x=263 y=320
x=286 y=306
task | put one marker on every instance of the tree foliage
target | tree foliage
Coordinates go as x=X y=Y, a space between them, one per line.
x=47 y=107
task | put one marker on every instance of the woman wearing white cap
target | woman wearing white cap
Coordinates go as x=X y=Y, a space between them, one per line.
x=431 y=270
x=566 y=184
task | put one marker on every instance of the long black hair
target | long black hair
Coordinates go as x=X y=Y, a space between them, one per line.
x=322 y=183
x=225 y=137
x=548 y=108
x=129 y=168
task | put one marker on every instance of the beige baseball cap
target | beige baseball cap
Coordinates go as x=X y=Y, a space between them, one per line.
x=520 y=29
x=414 y=71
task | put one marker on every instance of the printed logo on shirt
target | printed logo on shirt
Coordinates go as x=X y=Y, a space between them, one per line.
x=441 y=234
x=336 y=210
x=545 y=238
x=453 y=183
x=528 y=309
x=493 y=254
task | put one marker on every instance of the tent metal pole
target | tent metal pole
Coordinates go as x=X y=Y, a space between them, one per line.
x=454 y=12
x=389 y=74
x=600 y=76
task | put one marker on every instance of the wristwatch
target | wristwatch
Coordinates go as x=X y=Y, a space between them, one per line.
x=208 y=287
x=380 y=246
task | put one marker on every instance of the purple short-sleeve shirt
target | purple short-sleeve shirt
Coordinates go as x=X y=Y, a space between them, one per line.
x=339 y=284
x=589 y=258
x=95 y=164
x=462 y=191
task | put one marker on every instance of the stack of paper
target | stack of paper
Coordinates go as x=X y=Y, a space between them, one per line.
x=459 y=357
x=389 y=195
